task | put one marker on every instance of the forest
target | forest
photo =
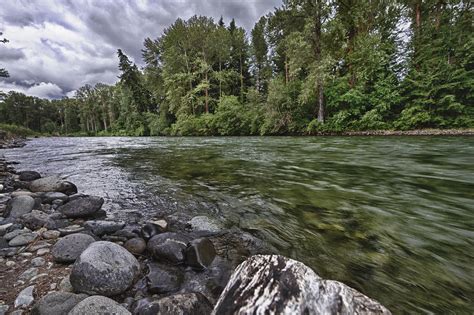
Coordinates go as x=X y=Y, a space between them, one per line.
x=308 y=67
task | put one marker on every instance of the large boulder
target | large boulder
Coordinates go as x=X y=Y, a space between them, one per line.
x=57 y=303
x=168 y=246
x=82 y=207
x=52 y=183
x=99 y=305
x=104 y=268
x=19 y=206
x=184 y=303
x=279 y=285
x=70 y=247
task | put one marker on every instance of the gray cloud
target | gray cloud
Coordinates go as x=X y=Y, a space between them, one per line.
x=60 y=45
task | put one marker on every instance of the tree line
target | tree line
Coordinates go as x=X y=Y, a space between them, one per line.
x=309 y=66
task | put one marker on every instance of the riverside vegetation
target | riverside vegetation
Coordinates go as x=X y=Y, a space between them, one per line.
x=307 y=67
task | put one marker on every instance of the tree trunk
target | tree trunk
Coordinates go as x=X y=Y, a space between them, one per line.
x=320 y=102
x=318 y=57
x=206 y=91
x=241 y=79
x=287 y=76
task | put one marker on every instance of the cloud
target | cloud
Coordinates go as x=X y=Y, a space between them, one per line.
x=69 y=43
x=42 y=90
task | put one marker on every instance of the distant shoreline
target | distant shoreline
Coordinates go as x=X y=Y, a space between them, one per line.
x=417 y=132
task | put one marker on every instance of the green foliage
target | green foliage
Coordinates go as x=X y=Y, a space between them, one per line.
x=14 y=130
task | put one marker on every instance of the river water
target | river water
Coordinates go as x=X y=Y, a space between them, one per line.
x=391 y=216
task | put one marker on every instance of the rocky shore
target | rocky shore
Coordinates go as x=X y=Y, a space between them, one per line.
x=61 y=254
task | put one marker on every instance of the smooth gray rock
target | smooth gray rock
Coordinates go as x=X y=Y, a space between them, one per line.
x=28 y=274
x=65 y=285
x=163 y=279
x=50 y=235
x=136 y=245
x=49 y=197
x=37 y=219
x=184 y=304
x=4 y=228
x=168 y=246
x=200 y=253
x=38 y=262
x=23 y=239
x=28 y=176
x=57 y=303
x=25 y=297
x=81 y=207
x=51 y=184
x=19 y=206
x=101 y=227
x=11 y=235
x=276 y=284
x=97 y=304
x=104 y=268
x=70 y=247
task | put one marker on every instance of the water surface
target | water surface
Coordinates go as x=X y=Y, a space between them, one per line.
x=390 y=216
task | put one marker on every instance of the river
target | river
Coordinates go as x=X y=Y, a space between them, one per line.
x=390 y=216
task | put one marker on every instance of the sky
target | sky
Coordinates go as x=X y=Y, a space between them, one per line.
x=57 y=46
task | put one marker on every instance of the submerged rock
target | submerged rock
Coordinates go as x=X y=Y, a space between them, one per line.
x=104 y=268
x=200 y=253
x=168 y=246
x=276 y=284
x=19 y=206
x=57 y=303
x=82 y=207
x=98 y=305
x=70 y=247
x=51 y=184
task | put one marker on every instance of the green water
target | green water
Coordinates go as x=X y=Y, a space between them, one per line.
x=393 y=217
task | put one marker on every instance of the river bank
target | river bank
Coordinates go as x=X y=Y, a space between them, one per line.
x=60 y=252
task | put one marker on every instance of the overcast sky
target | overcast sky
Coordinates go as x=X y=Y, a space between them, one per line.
x=56 y=46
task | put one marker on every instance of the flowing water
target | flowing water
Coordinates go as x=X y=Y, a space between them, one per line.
x=390 y=216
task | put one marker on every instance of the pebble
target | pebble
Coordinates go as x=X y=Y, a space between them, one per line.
x=25 y=298
x=42 y=251
x=10 y=263
x=71 y=230
x=11 y=235
x=51 y=234
x=38 y=245
x=39 y=276
x=26 y=254
x=28 y=274
x=65 y=285
x=22 y=239
x=38 y=262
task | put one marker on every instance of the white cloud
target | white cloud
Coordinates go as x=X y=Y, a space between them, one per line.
x=42 y=90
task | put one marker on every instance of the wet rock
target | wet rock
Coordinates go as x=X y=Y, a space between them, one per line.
x=98 y=305
x=19 y=206
x=200 y=253
x=51 y=234
x=204 y=223
x=72 y=229
x=163 y=279
x=52 y=184
x=37 y=219
x=23 y=239
x=152 y=228
x=184 y=303
x=289 y=287
x=136 y=246
x=70 y=247
x=49 y=197
x=81 y=207
x=57 y=303
x=168 y=246
x=101 y=227
x=25 y=298
x=104 y=268
x=11 y=235
x=38 y=262
x=29 y=176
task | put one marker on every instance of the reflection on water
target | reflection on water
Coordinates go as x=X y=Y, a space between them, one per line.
x=392 y=217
